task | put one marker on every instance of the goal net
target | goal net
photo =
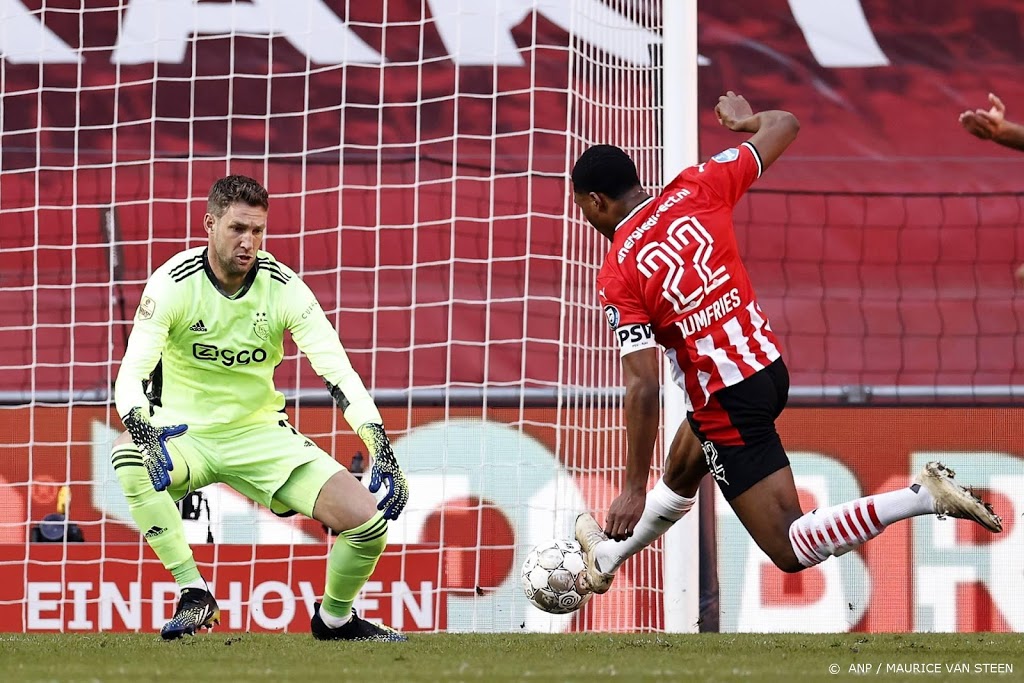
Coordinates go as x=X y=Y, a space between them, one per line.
x=417 y=155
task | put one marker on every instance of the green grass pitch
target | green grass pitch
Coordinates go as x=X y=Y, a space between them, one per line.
x=515 y=657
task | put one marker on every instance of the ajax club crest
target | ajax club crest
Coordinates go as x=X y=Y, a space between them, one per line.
x=261 y=327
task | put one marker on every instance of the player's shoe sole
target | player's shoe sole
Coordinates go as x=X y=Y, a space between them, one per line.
x=952 y=500
x=196 y=610
x=588 y=535
x=356 y=629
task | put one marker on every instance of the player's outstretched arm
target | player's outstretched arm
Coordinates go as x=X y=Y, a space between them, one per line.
x=385 y=471
x=773 y=130
x=316 y=337
x=992 y=124
x=642 y=374
x=145 y=346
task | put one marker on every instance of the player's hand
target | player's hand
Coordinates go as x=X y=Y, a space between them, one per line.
x=733 y=111
x=624 y=514
x=985 y=124
x=152 y=442
x=385 y=471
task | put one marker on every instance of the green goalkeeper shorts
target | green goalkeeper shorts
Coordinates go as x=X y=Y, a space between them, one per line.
x=271 y=464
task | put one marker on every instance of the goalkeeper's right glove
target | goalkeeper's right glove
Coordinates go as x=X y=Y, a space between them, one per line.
x=152 y=442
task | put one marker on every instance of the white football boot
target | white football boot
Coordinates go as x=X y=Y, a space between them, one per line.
x=952 y=500
x=589 y=534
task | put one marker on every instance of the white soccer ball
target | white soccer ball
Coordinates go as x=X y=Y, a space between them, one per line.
x=553 y=576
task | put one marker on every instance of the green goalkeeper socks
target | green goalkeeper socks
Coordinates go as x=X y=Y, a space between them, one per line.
x=155 y=514
x=352 y=560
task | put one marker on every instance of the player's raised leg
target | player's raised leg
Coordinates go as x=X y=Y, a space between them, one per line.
x=345 y=506
x=747 y=459
x=160 y=522
x=666 y=503
x=770 y=511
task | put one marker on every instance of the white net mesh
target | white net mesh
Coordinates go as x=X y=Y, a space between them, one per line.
x=417 y=160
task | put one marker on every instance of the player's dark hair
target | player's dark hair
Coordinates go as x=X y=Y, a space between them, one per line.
x=236 y=188
x=605 y=169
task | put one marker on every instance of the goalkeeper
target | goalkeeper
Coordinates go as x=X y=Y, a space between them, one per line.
x=207 y=335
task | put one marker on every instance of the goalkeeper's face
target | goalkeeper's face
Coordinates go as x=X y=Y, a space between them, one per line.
x=236 y=236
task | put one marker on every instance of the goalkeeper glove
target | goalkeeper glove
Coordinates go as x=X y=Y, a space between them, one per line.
x=152 y=442
x=385 y=471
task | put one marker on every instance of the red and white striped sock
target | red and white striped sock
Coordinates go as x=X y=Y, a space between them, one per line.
x=833 y=531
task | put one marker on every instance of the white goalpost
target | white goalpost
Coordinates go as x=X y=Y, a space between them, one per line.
x=417 y=154
x=679 y=142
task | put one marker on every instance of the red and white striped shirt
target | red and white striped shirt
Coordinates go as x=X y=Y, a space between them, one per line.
x=674 y=277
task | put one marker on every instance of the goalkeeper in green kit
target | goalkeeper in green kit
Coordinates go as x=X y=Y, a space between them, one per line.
x=207 y=336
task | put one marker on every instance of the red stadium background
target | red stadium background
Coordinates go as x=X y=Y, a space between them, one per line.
x=870 y=279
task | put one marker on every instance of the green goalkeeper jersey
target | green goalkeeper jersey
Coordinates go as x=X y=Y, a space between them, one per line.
x=212 y=356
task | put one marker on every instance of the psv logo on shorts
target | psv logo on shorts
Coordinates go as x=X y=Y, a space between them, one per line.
x=716 y=468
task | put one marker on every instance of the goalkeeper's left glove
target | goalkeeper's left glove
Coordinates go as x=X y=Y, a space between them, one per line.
x=385 y=471
x=152 y=442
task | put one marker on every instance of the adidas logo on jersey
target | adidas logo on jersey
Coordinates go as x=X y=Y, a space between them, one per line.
x=154 y=531
x=199 y=327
